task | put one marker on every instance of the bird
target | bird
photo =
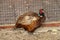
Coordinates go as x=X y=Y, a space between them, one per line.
x=29 y=21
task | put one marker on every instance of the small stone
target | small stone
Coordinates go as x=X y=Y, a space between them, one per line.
x=54 y=30
x=49 y=31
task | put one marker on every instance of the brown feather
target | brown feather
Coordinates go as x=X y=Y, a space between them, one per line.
x=29 y=21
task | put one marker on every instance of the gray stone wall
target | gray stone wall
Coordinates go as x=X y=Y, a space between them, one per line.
x=11 y=9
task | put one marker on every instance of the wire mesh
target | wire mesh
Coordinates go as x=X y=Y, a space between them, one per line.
x=10 y=10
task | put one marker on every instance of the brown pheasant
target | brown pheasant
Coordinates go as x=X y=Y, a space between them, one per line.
x=29 y=21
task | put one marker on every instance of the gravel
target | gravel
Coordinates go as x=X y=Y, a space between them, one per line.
x=21 y=34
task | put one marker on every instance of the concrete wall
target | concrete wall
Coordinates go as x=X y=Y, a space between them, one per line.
x=11 y=9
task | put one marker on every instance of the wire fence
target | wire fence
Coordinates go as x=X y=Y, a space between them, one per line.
x=10 y=10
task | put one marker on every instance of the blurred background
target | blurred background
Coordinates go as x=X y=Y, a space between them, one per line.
x=10 y=10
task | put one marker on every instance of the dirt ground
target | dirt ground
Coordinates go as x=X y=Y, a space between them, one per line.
x=42 y=33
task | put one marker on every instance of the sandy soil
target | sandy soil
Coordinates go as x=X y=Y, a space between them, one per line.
x=21 y=34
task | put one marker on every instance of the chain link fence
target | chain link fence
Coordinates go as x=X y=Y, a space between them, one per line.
x=10 y=10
